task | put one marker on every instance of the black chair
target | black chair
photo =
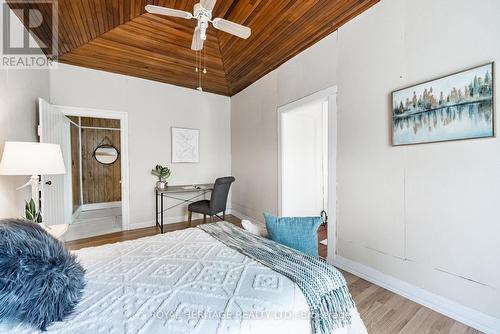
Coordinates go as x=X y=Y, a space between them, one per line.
x=217 y=202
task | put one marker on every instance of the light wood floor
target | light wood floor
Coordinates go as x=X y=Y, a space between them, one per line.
x=382 y=311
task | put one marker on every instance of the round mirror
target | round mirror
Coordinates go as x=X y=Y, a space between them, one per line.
x=106 y=154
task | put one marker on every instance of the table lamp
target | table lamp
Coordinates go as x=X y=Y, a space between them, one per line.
x=28 y=158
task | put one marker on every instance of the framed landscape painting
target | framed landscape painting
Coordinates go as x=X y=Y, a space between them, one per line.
x=458 y=106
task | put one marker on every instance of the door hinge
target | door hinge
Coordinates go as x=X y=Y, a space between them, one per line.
x=39 y=130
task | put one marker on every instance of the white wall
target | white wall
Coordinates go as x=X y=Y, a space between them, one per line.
x=424 y=214
x=254 y=124
x=153 y=108
x=427 y=214
x=19 y=92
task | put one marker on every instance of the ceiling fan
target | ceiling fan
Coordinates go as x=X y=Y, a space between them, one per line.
x=203 y=13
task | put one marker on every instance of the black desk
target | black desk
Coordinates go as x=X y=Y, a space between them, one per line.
x=171 y=192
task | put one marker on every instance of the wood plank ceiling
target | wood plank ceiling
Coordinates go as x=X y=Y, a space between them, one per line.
x=118 y=36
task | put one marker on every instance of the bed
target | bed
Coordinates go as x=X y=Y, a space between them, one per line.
x=185 y=282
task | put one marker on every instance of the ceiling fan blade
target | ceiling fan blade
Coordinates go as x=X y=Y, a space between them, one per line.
x=197 y=43
x=168 y=11
x=208 y=4
x=232 y=28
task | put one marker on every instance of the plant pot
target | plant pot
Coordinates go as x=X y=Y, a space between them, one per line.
x=161 y=185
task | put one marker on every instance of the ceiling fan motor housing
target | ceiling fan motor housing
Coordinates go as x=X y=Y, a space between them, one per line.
x=203 y=16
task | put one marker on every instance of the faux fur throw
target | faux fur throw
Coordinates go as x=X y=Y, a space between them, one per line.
x=40 y=281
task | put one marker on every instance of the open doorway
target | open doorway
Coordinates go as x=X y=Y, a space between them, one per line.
x=92 y=197
x=304 y=159
x=307 y=148
x=95 y=177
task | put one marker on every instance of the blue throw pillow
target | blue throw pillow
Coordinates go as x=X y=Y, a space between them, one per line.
x=300 y=233
x=40 y=281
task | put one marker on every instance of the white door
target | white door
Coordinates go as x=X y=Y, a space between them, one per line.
x=304 y=159
x=56 y=189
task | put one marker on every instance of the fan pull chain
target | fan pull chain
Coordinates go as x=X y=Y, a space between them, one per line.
x=205 y=61
x=201 y=61
x=199 y=55
x=196 y=68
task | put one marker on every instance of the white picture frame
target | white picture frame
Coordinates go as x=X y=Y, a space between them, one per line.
x=185 y=145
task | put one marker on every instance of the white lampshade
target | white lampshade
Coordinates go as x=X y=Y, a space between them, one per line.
x=27 y=158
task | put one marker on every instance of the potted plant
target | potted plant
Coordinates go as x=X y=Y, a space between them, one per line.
x=31 y=212
x=162 y=173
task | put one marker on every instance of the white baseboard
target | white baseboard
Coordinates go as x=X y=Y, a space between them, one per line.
x=178 y=219
x=458 y=312
x=144 y=224
x=166 y=221
x=98 y=206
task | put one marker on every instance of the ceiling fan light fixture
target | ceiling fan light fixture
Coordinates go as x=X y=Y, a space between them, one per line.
x=203 y=30
x=198 y=41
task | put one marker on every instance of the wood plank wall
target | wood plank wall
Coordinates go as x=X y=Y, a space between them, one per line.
x=101 y=183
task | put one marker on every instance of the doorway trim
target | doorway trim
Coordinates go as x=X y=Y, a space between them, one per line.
x=329 y=93
x=123 y=117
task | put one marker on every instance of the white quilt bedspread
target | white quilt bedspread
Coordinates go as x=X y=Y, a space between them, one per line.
x=184 y=282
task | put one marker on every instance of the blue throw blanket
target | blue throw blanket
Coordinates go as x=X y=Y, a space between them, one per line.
x=323 y=286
